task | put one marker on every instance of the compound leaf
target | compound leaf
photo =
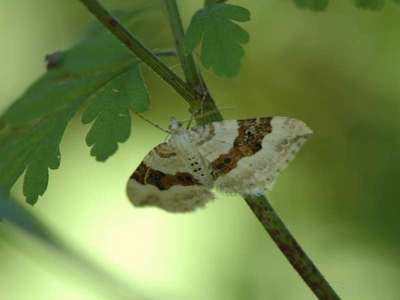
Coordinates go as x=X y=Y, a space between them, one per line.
x=109 y=109
x=36 y=150
x=33 y=126
x=221 y=38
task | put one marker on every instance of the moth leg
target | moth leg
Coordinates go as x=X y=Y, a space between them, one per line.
x=190 y=120
x=199 y=111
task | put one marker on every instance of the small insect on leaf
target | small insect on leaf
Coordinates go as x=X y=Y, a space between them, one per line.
x=54 y=60
x=220 y=37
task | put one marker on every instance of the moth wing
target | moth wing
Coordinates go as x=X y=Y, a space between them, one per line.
x=246 y=156
x=163 y=180
x=215 y=138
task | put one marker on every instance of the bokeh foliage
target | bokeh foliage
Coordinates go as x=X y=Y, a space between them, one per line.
x=337 y=70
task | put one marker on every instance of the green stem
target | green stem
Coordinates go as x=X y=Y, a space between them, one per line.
x=290 y=248
x=192 y=73
x=187 y=61
x=140 y=50
x=259 y=204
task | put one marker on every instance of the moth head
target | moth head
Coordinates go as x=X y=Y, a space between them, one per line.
x=174 y=125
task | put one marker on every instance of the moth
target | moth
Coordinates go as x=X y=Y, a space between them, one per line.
x=234 y=156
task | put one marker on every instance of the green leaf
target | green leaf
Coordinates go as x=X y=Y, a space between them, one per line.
x=315 y=5
x=370 y=4
x=221 y=38
x=109 y=107
x=36 y=150
x=35 y=123
x=83 y=69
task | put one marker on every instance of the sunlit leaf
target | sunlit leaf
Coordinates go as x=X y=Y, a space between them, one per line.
x=84 y=68
x=92 y=69
x=109 y=107
x=36 y=150
x=221 y=38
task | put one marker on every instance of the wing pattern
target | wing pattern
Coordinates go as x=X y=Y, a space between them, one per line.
x=244 y=156
x=259 y=150
x=163 y=180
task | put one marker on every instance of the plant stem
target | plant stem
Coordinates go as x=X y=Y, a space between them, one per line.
x=140 y=50
x=187 y=61
x=290 y=248
x=259 y=204
x=192 y=73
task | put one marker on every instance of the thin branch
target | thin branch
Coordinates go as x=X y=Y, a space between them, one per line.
x=188 y=64
x=259 y=204
x=140 y=50
x=290 y=248
x=192 y=73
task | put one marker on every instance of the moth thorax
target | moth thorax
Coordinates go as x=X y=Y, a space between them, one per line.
x=175 y=127
x=194 y=162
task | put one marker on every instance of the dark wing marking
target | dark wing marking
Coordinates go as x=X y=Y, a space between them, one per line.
x=251 y=132
x=146 y=175
x=163 y=180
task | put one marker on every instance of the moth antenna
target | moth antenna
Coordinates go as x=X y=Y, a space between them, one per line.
x=190 y=120
x=152 y=123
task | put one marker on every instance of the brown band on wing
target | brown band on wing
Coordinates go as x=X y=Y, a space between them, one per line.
x=146 y=175
x=164 y=151
x=251 y=132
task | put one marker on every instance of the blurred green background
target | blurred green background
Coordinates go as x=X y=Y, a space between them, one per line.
x=337 y=70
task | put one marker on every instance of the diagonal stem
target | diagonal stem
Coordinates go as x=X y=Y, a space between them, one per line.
x=290 y=247
x=258 y=204
x=143 y=53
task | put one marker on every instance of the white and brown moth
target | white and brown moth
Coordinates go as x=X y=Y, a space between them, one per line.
x=235 y=156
